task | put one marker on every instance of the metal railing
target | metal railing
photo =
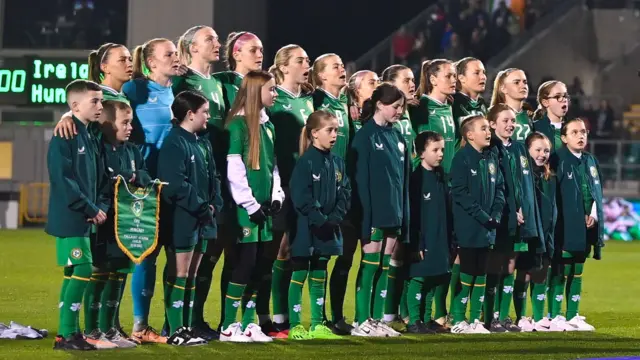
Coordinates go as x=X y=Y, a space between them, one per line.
x=619 y=165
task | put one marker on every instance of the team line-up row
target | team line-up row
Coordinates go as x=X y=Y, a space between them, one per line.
x=282 y=170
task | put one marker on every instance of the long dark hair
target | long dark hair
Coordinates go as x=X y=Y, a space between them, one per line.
x=387 y=94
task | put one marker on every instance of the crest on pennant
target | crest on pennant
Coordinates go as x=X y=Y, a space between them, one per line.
x=136 y=208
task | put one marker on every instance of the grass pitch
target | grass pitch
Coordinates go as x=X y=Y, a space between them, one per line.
x=30 y=285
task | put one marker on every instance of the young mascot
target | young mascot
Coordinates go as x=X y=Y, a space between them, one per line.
x=580 y=218
x=75 y=174
x=321 y=196
x=477 y=189
x=431 y=231
x=187 y=209
x=381 y=181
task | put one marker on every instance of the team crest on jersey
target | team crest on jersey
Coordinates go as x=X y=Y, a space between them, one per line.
x=338 y=176
x=492 y=168
x=76 y=253
x=594 y=172
x=136 y=208
x=401 y=146
x=524 y=162
x=246 y=232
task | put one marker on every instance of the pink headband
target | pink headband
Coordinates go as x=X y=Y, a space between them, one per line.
x=243 y=39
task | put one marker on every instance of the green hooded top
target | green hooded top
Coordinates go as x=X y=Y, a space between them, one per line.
x=477 y=191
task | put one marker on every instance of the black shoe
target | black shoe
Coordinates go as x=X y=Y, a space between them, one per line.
x=205 y=331
x=280 y=327
x=184 y=337
x=496 y=327
x=510 y=326
x=341 y=328
x=437 y=328
x=74 y=342
x=419 y=328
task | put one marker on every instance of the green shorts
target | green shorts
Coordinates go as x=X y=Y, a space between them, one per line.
x=381 y=234
x=73 y=251
x=202 y=245
x=249 y=232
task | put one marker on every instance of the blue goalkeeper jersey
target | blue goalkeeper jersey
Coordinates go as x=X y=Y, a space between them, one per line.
x=151 y=103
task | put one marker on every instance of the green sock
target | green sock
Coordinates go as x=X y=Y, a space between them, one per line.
x=440 y=299
x=203 y=285
x=174 y=302
x=404 y=305
x=558 y=283
x=189 y=295
x=477 y=298
x=520 y=298
x=575 y=290
x=393 y=285
x=414 y=298
x=507 y=285
x=232 y=301
x=454 y=284
x=538 y=297
x=72 y=299
x=459 y=308
x=278 y=297
x=490 y=297
x=429 y=291
x=110 y=301
x=249 y=314
x=317 y=279
x=92 y=300
x=67 y=272
x=381 y=286
x=296 y=284
x=364 y=285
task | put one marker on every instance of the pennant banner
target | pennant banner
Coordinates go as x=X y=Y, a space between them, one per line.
x=137 y=212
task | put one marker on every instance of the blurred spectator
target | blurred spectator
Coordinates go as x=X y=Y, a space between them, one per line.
x=576 y=92
x=63 y=24
x=446 y=37
x=532 y=13
x=402 y=45
x=455 y=51
x=604 y=118
x=502 y=16
x=478 y=45
x=500 y=35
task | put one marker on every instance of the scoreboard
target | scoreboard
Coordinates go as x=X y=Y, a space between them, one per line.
x=38 y=81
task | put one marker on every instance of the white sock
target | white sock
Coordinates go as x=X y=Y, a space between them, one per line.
x=389 y=317
x=280 y=318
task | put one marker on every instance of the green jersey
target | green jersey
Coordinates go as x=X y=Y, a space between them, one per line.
x=433 y=115
x=208 y=86
x=523 y=126
x=404 y=127
x=109 y=93
x=260 y=180
x=464 y=106
x=230 y=81
x=322 y=100
x=288 y=115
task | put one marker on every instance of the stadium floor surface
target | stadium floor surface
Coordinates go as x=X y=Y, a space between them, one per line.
x=30 y=281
